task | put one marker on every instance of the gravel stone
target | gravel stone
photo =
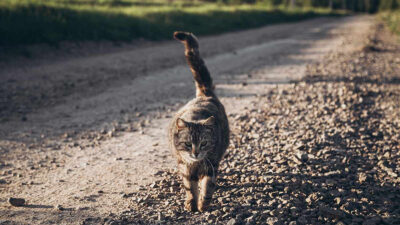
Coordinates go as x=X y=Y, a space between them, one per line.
x=16 y=201
x=322 y=150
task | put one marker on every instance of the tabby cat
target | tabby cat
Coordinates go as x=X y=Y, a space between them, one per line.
x=199 y=132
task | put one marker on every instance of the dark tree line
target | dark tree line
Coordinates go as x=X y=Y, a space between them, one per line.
x=370 y=6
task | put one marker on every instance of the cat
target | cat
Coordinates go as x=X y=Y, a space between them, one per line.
x=199 y=132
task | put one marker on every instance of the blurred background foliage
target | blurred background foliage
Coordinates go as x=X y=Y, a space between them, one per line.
x=25 y=22
x=370 y=6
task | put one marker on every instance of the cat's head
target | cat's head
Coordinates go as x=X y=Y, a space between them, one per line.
x=194 y=140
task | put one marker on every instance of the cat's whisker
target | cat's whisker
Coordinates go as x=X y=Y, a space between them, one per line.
x=212 y=167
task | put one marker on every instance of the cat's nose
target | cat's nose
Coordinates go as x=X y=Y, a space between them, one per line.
x=195 y=154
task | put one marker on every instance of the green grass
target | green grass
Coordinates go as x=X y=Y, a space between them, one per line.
x=24 y=22
x=392 y=19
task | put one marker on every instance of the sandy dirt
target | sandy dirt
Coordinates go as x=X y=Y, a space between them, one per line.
x=96 y=129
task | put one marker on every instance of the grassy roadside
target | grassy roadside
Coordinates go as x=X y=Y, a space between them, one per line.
x=24 y=22
x=392 y=19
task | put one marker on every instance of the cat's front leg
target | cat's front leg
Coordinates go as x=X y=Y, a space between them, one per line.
x=191 y=194
x=207 y=188
x=191 y=188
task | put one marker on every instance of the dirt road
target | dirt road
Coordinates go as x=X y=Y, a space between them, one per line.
x=95 y=130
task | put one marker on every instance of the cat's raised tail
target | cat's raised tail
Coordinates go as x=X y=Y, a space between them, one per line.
x=204 y=84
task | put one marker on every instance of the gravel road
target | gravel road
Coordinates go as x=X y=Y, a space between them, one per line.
x=313 y=108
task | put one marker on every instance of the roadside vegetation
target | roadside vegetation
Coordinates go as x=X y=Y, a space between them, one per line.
x=392 y=19
x=390 y=14
x=42 y=21
x=26 y=22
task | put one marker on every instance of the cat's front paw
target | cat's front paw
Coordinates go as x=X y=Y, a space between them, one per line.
x=190 y=205
x=203 y=205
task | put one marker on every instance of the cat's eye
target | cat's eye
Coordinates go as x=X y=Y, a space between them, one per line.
x=188 y=144
x=203 y=143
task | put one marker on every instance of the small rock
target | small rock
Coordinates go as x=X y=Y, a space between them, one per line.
x=232 y=222
x=272 y=220
x=250 y=220
x=362 y=177
x=16 y=201
x=160 y=216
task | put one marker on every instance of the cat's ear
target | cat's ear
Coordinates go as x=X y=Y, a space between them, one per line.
x=180 y=124
x=209 y=121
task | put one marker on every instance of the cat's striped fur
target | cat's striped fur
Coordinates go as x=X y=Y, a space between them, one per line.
x=199 y=132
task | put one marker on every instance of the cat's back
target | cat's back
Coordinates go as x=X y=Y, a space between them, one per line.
x=201 y=108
